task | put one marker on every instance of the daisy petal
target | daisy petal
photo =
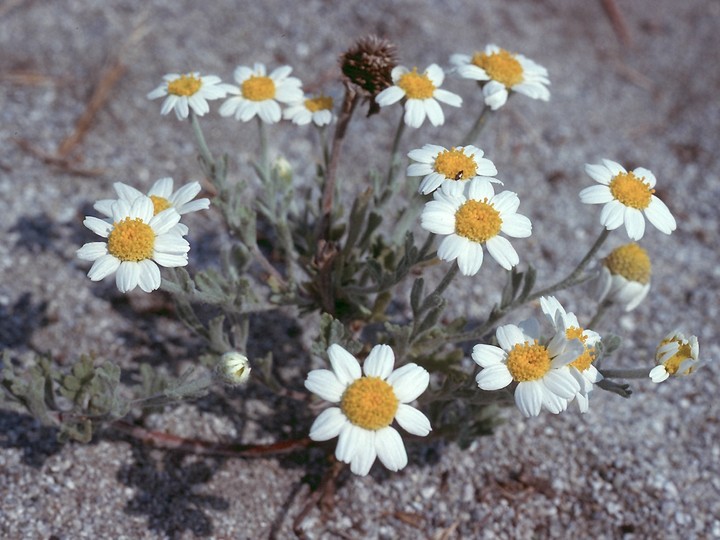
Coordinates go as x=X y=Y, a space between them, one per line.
x=390 y=449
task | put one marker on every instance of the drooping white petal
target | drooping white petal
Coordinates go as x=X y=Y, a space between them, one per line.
x=561 y=382
x=103 y=266
x=659 y=215
x=634 y=223
x=149 y=275
x=365 y=452
x=127 y=276
x=529 y=398
x=502 y=251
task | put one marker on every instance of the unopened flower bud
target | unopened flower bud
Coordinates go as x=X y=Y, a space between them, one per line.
x=234 y=368
x=283 y=170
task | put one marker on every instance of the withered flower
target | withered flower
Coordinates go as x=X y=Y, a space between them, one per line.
x=367 y=65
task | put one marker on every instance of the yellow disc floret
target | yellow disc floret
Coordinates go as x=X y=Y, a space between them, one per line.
x=455 y=165
x=631 y=190
x=416 y=85
x=582 y=362
x=528 y=362
x=477 y=220
x=369 y=403
x=501 y=66
x=131 y=240
x=320 y=103
x=258 y=88
x=185 y=85
x=159 y=203
x=631 y=262
x=684 y=352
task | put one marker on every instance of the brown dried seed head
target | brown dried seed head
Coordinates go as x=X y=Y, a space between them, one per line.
x=368 y=64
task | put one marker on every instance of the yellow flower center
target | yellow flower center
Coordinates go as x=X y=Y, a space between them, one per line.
x=631 y=190
x=185 y=85
x=528 y=362
x=369 y=403
x=455 y=165
x=631 y=262
x=320 y=103
x=159 y=203
x=501 y=66
x=582 y=362
x=672 y=364
x=131 y=240
x=477 y=220
x=258 y=88
x=416 y=85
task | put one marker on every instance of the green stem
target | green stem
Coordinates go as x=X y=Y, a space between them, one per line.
x=637 y=373
x=479 y=124
x=395 y=153
x=449 y=276
x=264 y=165
x=426 y=305
x=574 y=277
x=601 y=311
x=200 y=138
x=322 y=131
x=348 y=107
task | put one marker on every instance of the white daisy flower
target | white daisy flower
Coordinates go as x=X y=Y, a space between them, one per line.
x=675 y=356
x=367 y=405
x=188 y=91
x=625 y=276
x=539 y=369
x=626 y=196
x=163 y=197
x=438 y=164
x=317 y=110
x=471 y=215
x=259 y=93
x=503 y=71
x=421 y=92
x=137 y=242
x=581 y=368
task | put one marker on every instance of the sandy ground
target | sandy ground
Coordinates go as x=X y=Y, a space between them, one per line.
x=643 y=468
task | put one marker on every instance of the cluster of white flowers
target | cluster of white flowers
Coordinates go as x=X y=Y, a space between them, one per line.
x=543 y=371
x=255 y=93
x=142 y=231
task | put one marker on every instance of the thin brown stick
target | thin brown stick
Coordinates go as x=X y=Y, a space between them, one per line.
x=101 y=93
x=169 y=441
x=109 y=78
x=63 y=164
x=618 y=21
x=324 y=493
